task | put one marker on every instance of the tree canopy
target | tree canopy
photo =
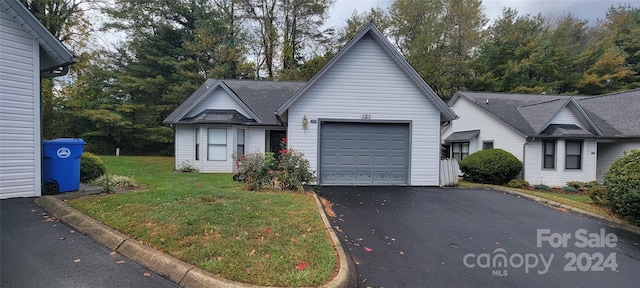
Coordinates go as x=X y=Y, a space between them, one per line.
x=118 y=96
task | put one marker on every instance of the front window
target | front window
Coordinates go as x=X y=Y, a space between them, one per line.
x=487 y=145
x=574 y=155
x=197 y=143
x=459 y=150
x=217 y=144
x=549 y=154
x=240 y=148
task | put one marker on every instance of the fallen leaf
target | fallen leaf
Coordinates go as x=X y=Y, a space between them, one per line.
x=33 y=210
x=253 y=252
x=219 y=258
x=268 y=230
x=146 y=274
x=294 y=240
x=302 y=265
x=62 y=238
x=368 y=249
x=76 y=261
x=266 y=256
x=112 y=253
x=71 y=231
x=338 y=229
x=120 y=262
x=401 y=252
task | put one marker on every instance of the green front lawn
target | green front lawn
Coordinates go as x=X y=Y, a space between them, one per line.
x=209 y=221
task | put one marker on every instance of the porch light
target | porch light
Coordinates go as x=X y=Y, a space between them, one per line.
x=304 y=122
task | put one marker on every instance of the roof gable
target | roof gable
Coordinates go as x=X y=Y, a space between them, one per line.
x=258 y=99
x=55 y=55
x=370 y=30
x=533 y=115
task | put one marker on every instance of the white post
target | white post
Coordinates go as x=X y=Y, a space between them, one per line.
x=117 y=151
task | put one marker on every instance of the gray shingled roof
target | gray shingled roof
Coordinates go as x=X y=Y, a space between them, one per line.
x=618 y=113
x=462 y=136
x=262 y=98
x=213 y=116
x=614 y=115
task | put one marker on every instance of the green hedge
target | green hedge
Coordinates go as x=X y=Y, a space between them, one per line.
x=490 y=166
x=91 y=167
x=623 y=187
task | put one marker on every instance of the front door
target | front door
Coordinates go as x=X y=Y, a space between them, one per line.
x=274 y=137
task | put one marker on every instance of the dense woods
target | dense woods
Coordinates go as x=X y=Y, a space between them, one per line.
x=118 y=95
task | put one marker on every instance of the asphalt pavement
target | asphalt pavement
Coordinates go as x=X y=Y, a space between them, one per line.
x=37 y=250
x=452 y=237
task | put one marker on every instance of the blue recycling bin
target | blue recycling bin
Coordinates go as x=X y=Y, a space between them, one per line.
x=61 y=163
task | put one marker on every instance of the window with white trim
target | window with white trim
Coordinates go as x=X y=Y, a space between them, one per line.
x=487 y=145
x=459 y=150
x=217 y=144
x=198 y=143
x=573 y=155
x=549 y=154
x=240 y=145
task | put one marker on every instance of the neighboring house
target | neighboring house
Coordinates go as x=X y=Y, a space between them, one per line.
x=28 y=53
x=367 y=118
x=558 y=138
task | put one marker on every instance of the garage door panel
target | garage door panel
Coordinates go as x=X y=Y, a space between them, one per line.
x=364 y=153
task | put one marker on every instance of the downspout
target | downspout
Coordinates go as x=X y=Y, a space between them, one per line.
x=524 y=153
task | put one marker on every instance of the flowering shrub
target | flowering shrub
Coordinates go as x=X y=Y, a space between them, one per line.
x=257 y=169
x=293 y=170
x=290 y=171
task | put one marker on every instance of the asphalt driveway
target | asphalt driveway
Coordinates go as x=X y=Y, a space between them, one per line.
x=452 y=237
x=39 y=251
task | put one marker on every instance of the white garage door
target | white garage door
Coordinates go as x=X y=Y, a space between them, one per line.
x=364 y=153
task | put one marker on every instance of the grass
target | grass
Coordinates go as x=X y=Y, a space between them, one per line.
x=579 y=201
x=211 y=222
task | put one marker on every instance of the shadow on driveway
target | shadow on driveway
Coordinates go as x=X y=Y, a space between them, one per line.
x=453 y=237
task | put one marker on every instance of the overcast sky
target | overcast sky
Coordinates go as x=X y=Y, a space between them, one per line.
x=591 y=10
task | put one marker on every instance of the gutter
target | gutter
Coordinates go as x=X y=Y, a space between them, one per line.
x=58 y=71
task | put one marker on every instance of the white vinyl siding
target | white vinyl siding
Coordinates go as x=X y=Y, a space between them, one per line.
x=219 y=99
x=474 y=118
x=255 y=140
x=366 y=81
x=534 y=173
x=20 y=140
x=185 y=145
x=609 y=152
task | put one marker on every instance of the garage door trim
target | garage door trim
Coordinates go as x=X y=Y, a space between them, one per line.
x=361 y=121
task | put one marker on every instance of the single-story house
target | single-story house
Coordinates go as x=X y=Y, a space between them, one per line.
x=367 y=118
x=558 y=138
x=28 y=53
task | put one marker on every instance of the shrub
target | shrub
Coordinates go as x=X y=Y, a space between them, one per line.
x=623 y=187
x=490 y=166
x=570 y=189
x=517 y=183
x=257 y=169
x=293 y=170
x=576 y=184
x=597 y=195
x=111 y=182
x=542 y=187
x=592 y=184
x=186 y=167
x=91 y=167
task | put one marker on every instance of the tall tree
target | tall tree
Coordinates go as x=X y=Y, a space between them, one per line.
x=504 y=60
x=66 y=20
x=438 y=37
x=283 y=28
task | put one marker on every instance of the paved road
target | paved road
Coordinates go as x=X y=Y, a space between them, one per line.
x=36 y=252
x=433 y=237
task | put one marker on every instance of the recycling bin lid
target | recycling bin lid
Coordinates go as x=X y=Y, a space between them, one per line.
x=65 y=141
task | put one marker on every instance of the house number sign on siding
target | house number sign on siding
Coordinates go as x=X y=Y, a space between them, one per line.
x=365 y=116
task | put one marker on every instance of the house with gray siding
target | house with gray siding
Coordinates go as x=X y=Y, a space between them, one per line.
x=558 y=138
x=366 y=118
x=28 y=53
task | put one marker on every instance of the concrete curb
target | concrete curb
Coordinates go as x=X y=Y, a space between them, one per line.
x=613 y=222
x=179 y=272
